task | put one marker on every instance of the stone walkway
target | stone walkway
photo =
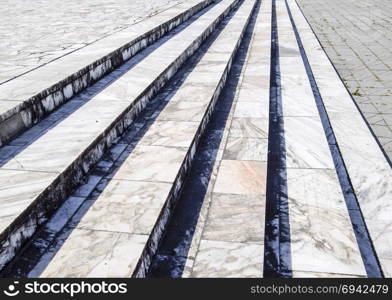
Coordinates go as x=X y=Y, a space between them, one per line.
x=198 y=160
x=357 y=36
x=33 y=33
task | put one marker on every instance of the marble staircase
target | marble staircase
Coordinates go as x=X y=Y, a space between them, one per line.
x=229 y=147
x=84 y=129
x=29 y=98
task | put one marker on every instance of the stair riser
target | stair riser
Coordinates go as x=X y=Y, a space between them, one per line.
x=31 y=111
x=12 y=239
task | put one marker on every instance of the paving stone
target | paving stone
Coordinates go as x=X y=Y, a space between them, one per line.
x=367 y=55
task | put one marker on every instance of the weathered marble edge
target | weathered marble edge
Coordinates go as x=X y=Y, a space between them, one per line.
x=160 y=226
x=51 y=198
x=30 y=111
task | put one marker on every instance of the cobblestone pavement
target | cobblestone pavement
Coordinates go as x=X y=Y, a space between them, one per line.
x=33 y=33
x=357 y=35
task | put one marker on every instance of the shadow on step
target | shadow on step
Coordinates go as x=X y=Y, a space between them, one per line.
x=46 y=242
x=172 y=253
x=22 y=142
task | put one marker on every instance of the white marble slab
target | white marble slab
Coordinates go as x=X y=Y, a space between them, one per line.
x=249 y=128
x=227 y=259
x=133 y=203
x=306 y=144
x=236 y=218
x=60 y=146
x=145 y=163
x=252 y=109
x=17 y=190
x=320 y=224
x=51 y=73
x=170 y=133
x=127 y=206
x=241 y=177
x=321 y=235
x=229 y=236
x=90 y=253
x=366 y=165
x=246 y=149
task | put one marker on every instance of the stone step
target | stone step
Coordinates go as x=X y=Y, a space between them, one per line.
x=37 y=176
x=366 y=165
x=311 y=227
x=229 y=235
x=26 y=100
x=299 y=186
x=122 y=228
x=308 y=230
x=319 y=223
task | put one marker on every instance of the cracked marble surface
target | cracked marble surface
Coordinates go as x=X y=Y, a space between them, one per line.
x=37 y=33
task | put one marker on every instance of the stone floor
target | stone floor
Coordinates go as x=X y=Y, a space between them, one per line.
x=357 y=36
x=33 y=33
x=287 y=179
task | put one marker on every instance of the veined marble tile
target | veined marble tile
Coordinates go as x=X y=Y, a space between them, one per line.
x=367 y=167
x=381 y=233
x=358 y=146
x=246 y=149
x=337 y=100
x=236 y=218
x=170 y=133
x=49 y=152
x=183 y=111
x=255 y=82
x=17 y=190
x=252 y=109
x=291 y=81
x=258 y=64
x=88 y=253
x=318 y=188
x=249 y=128
x=255 y=95
x=306 y=144
x=21 y=89
x=207 y=65
x=152 y=163
x=293 y=69
x=374 y=193
x=299 y=102
x=223 y=259
x=192 y=92
x=322 y=240
x=320 y=224
x=127 y=206
x=97 y=110
x=261 y=54
x=288 y=50
x=241 y=177
x=329 y=79
x=208 y=79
